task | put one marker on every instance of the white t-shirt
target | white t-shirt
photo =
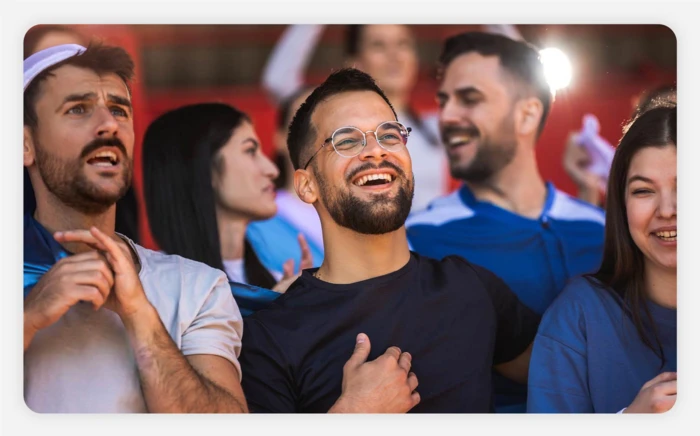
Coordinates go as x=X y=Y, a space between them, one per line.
x=235 y=270
x=85 y=363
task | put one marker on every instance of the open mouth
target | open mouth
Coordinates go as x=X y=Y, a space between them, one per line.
x=668 y=236
x=105 y=158
x=374 y=179
x=459 y=140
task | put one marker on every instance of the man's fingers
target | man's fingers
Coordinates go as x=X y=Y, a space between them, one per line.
x=412 y=381
x=89 y=294
x=80 y=257
x=83 y=236
x=663 y=377
x=415 y=397
x=362 y=348
x=405 y=361
x=94 y=278
x=117 y=257
x=394 y=352
x=100 y=264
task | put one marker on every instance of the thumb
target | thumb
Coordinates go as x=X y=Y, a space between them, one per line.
x=362 y=347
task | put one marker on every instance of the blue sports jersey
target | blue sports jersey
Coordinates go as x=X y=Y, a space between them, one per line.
x=588 y=356
x=535 y=257
x=275 y=241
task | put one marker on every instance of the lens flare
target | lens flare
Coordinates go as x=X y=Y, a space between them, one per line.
x=557 y=68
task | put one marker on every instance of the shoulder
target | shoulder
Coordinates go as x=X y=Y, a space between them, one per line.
x=160 y=263
x=441 y=211
x=456 y=269
x=567 y=208
x=169 y=276
x=583 y=298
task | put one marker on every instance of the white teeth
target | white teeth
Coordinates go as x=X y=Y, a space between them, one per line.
x=112 y=156
x=364 y=179
x=454 y=140
x=668 y=235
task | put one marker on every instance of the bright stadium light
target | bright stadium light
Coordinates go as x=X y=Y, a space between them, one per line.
x=557 y=68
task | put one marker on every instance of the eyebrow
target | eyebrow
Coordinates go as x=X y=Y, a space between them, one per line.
x=640 y=179
x=461 y=92
x=255 y=143
x=91 y=96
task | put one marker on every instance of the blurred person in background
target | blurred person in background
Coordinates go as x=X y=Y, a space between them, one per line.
x=388 y=54
x=38 y=38
x=608 y=342
x=588 y=157
x=494 y=101
x=275 y=239
x=205 y=180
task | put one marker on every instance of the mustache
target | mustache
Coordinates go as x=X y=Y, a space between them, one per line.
x=103 y=142
x=369 y=166
x=448 y=131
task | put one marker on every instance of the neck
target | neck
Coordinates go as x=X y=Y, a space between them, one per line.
x=351 y=257
x=661 y=285
x=518 y=187
x=56 y=216
x=399 y=101
x=231 y=234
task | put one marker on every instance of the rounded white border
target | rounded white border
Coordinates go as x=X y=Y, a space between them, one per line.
x=17 y=18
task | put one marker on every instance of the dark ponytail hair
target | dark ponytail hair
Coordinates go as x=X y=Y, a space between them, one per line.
x=179 y=150
x=622 y=267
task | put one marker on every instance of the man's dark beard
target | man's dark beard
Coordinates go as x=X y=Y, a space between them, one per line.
x=490 y=158
x=68 y=183
x=376 y=217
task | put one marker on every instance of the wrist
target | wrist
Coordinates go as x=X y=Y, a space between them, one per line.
x=341 y=406
x=139 y=317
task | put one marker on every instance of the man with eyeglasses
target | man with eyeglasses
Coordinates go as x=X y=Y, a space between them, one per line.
x=447 y=323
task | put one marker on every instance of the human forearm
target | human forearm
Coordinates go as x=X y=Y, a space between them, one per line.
x=169 y=383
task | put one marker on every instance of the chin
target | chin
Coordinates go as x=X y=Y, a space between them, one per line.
x=262 y=215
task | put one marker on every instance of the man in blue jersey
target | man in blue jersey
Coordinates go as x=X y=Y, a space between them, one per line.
x=494 y=100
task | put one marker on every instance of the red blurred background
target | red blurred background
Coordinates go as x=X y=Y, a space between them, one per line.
x=183 y=64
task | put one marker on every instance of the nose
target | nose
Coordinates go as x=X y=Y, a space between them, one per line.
x=107 y=124
x=372 y=149
x=451 y=113
x=269 y=168
x=667 y=204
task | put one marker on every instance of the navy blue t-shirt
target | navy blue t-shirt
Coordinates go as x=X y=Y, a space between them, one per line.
x=588 y=356
x=456 y=319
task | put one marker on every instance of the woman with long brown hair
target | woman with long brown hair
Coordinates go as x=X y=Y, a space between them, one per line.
x=608 y=343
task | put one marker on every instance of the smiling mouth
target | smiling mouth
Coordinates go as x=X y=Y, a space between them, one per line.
x=105 y=159
x=456 y=141
x=669 y=236
x=374 y=180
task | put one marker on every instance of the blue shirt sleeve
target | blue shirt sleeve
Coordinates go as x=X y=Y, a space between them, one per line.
x=558 y=377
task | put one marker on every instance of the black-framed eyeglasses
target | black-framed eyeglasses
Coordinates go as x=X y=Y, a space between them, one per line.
x=349 y=141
